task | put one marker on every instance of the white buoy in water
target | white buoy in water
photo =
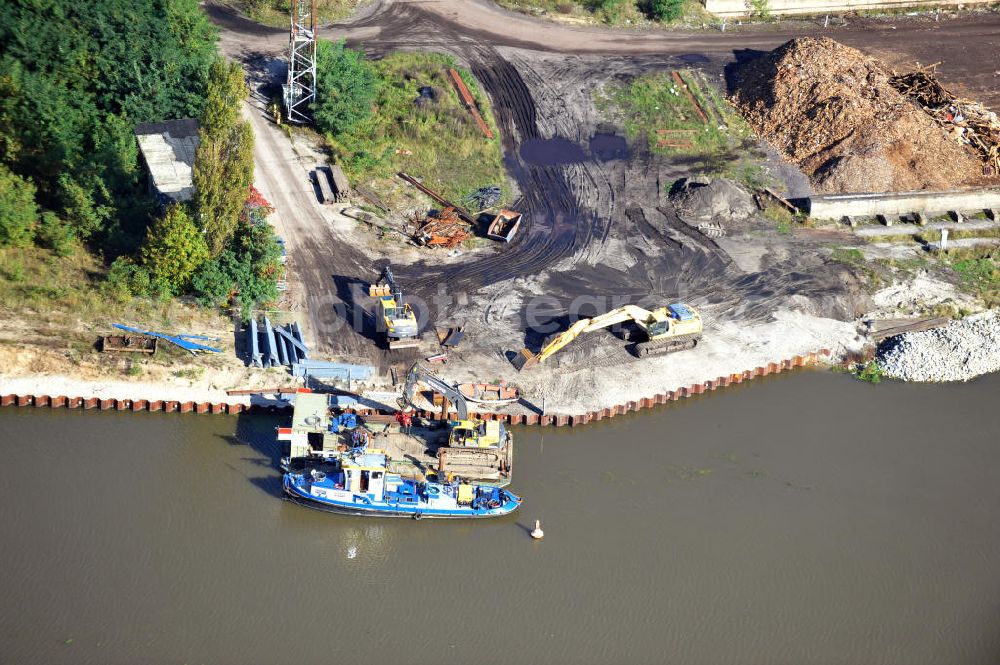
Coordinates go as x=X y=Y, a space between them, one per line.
x=537 y=532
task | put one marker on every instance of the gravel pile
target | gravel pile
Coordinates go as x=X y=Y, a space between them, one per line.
x=958 y=352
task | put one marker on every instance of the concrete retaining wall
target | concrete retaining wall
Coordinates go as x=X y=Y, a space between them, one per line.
x=837 y=206
x=743 y=7
x=558 y=420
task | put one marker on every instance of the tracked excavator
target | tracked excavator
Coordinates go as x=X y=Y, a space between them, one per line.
x=395 y=319
x=672 y=328
x=476 y=448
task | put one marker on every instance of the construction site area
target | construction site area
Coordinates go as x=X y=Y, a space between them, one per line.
x=626 y=229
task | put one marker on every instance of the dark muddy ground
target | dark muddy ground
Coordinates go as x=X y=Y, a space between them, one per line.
x=597 y=221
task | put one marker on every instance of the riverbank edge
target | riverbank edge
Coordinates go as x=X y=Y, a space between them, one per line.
x=541 y=419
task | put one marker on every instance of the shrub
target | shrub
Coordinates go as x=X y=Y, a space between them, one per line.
x=211 y=284
x=18 y=210
x=665 y=10
x=870 y=372
x=127 y=280
x=56 y=234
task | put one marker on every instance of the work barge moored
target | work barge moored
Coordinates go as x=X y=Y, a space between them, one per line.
x=414 y=448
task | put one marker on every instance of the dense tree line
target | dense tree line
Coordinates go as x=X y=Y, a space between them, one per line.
x=75 y=78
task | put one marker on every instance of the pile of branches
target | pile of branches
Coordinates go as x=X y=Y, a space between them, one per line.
x=967 y=121
x=483 y=198
x=446 y=229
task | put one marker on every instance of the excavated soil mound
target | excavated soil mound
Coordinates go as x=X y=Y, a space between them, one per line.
x=717 y=199
x=831 y=110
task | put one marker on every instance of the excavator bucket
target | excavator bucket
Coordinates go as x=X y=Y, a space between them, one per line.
x=377 y=290
x=524 y=358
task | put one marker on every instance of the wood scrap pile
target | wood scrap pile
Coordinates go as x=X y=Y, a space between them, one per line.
x=445 y=229
x=966 y=121
x=833 y=111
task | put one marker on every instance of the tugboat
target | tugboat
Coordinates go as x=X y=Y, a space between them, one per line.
x=359 y=483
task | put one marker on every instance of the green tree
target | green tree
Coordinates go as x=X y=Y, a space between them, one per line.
x=174 y=249
x=212 y=284
x=345 y=87
x=18 y=211
x=227 y=89
x=223 y=165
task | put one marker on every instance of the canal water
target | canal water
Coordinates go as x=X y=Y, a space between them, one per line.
x=806 y=518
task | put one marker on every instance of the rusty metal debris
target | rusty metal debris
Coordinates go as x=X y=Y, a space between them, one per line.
x=469 y=102
x=445 y=229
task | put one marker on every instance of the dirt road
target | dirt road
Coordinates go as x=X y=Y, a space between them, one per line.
x=968 y=46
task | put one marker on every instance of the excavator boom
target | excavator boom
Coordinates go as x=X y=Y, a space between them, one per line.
x=420 y=374
x=668 y=328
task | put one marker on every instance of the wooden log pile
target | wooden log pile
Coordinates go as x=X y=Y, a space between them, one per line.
x=967 y=121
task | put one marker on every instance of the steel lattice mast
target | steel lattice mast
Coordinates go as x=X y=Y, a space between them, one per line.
x=300 y=90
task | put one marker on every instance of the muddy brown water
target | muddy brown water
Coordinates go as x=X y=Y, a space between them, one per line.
x=807 y=518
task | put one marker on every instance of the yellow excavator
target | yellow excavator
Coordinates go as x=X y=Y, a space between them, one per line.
x=395 y=319
x=672 y=328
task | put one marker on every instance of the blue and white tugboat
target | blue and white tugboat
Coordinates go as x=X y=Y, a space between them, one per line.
x=359 y=483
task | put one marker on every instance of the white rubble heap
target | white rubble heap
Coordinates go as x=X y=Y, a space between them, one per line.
x=960 y=351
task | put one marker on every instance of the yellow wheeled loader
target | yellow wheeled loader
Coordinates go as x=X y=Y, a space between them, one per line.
x=394 y=318
x=672 y=328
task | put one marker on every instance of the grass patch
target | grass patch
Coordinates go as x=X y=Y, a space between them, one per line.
x=958 y=234
x=848 y=255
x=982 y=275
x=608 y=12
x=436 y=140
x=51 y=293
x=780 y=216
x=654 y=109
x=655 y=102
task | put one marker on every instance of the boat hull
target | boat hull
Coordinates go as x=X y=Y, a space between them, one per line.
x=296 y=495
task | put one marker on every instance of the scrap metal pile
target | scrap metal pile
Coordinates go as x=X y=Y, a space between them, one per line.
x=837 y=114
x=483 y=198
x=965 y=120
x=445 y=229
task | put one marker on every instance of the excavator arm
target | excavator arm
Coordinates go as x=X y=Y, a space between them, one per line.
x=420 y=374
x=619 y=315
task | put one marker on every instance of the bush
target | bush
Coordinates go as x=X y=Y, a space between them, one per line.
x=870 y=372
x=56 y=234
x=248 y=269
x=18 y=210
x=127 y=280
x=665 y=10
x=212 y=285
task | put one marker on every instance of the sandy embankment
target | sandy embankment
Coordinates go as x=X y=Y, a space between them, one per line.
x=32 y=370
